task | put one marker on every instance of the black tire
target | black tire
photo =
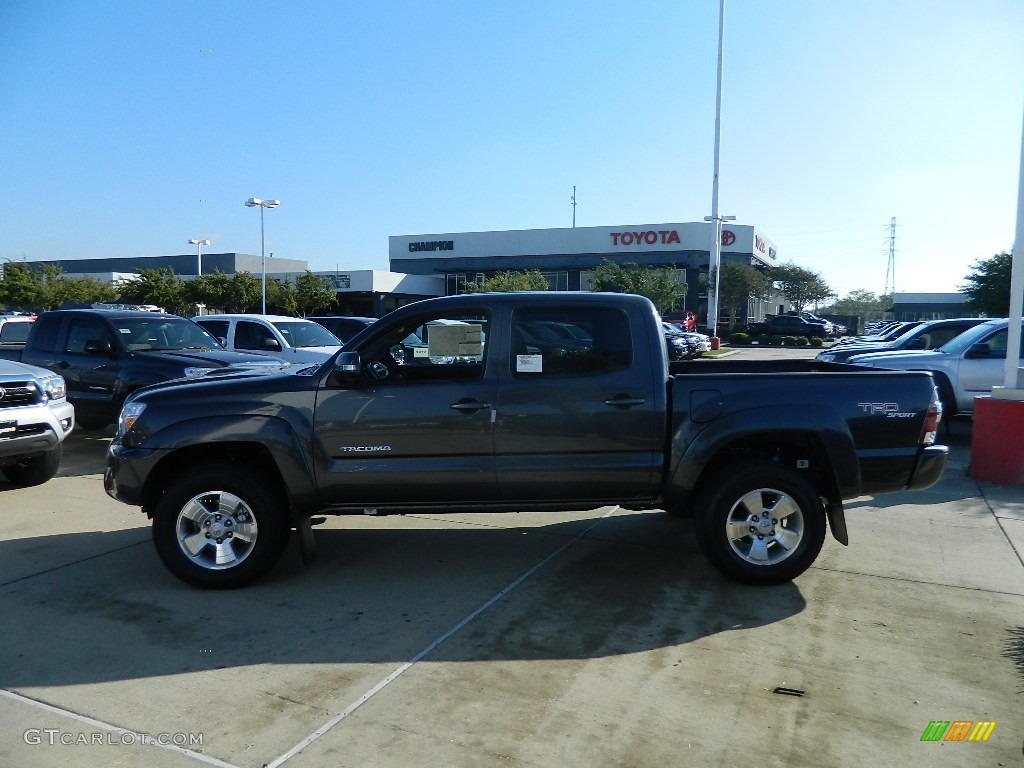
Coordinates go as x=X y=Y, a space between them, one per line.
x=786 y=537
x=35 y=470
x=220 y=527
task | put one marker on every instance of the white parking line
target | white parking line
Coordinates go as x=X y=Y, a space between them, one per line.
x=136 y=736
x=323 y=729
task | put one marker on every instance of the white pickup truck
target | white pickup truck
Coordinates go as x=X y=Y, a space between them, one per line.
x=35 y=417
x=289 y=339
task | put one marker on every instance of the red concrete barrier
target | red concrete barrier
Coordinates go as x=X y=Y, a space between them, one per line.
x=997 y=441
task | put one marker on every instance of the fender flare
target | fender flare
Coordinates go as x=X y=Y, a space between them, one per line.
x=693 y=447
x=274 y=434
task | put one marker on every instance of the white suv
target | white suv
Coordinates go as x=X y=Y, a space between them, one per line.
x=291 y=339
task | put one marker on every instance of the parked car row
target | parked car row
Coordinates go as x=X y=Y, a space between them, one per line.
x=929 y=335
x=965 y=356
x=684 y=345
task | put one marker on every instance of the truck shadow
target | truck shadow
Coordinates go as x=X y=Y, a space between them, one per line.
x=379 y=592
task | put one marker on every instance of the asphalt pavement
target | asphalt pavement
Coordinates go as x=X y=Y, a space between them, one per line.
x=597 y=638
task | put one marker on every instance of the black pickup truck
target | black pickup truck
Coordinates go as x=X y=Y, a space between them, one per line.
x=104 y=355
x=453 y=404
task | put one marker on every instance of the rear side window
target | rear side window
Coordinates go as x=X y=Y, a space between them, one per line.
x=45 y=332
x=14 y=332
x=569 y=341
x=216 y=328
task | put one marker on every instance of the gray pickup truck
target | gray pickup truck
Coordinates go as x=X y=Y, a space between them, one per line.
x=35 y=417
x=454 y=404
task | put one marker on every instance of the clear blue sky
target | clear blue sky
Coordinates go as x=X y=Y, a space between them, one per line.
x=127 y=128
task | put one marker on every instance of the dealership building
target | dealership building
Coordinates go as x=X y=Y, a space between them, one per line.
x=428 y=265
x=567 y=257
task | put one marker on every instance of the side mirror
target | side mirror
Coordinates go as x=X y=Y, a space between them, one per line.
x=978 y=350
x=98 y=347
x=917 y=343
x=348 y=362
x=271 y=345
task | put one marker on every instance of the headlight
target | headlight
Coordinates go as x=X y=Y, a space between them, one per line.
x=192 y=373
x=826 y=358
x=54 y=387
x=129 y=415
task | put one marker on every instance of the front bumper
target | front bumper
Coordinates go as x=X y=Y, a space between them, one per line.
x=126 y=472
x=28 y=431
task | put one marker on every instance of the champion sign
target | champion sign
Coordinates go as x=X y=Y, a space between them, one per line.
x=650 y=237
x=432 y=245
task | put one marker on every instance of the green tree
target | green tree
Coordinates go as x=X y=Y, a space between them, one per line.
x=81 y=290
x=281 y=296
x=39 y=287
x=246 y=293
x=801 y=286
x=661 y=285
x=509 y=282
x=988 y=285
x=19 y=289
x=155 y=286
x=212 y=290
x=738 y=283
x=314 y=293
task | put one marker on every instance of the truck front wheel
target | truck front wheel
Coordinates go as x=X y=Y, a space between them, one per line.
x=34 y=470
x=220 y=528
x=760 y=524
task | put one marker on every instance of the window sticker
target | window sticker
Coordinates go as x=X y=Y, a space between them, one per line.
x=529 y=364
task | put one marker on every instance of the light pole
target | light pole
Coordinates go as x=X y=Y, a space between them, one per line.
x=254 y=202
x=716 y=258
x=199 y=253
x=716 y=246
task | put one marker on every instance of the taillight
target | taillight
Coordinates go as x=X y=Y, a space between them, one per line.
x=930 y=429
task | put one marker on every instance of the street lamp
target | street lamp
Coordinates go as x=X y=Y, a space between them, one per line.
x=199 y=253
x=716 y=246
x=254 y=202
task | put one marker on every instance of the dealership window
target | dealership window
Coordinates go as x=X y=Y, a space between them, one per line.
x=575 y=341
x=453 y=283
x=557 y=281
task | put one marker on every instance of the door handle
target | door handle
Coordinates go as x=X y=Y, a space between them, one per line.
x=624 y=401
x=469 y=406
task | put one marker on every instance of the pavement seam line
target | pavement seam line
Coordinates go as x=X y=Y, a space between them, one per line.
x=109 y=727
x=351 y=708
x=999 y=522
x=68 y=565
x=908 y=580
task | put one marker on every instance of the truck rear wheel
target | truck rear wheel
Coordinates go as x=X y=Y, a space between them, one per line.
x=34 y=470
x=760 y=524
x=220 y=528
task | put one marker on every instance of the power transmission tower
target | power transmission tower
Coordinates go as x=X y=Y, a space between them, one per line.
x=890 y=270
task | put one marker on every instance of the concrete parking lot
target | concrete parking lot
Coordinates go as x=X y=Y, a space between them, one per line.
x=597 y=638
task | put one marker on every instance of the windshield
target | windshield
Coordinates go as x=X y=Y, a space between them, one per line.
x=308 y=334
x=143 y=334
